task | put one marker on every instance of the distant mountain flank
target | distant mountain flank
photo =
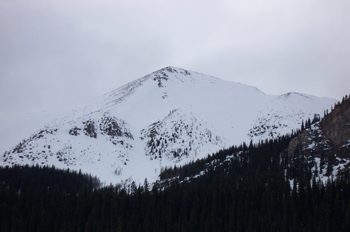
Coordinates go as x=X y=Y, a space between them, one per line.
x=317 y=153
x=171 y=116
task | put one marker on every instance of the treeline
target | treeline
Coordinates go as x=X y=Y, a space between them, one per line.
x=24 y=178
x=255 y=155
x=40 y=198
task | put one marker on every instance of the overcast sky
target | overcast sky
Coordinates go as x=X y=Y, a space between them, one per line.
x=64 y=52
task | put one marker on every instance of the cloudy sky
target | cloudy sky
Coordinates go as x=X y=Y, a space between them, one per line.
x=64 y=52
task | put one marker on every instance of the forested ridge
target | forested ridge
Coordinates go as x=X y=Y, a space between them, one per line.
x=249 y=193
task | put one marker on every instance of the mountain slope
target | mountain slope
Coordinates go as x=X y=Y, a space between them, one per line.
x=318 y=153
x=171 y=116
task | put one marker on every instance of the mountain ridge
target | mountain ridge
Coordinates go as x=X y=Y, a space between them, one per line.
x=171 y=116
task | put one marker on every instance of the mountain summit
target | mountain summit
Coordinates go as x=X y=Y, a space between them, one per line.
x=171 y=116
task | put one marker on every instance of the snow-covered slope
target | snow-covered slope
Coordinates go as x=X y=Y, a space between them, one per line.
x=168 y=117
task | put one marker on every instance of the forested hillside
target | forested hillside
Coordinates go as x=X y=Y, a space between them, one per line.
x=251 y=193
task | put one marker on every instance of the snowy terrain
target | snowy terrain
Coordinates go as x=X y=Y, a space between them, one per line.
x=171 y=116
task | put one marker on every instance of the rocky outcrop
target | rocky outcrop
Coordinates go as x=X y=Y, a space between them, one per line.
x=331 y=134
x=336 y=125
x=327 y=141
x=311 y=142
x=114 y=127
x=176 y=136
x=89 y=128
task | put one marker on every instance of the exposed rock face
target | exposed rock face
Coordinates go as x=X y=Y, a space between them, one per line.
x=176 y=136
x=89 y=129
x=327 y=141
x=114 y=127
x=310 y=142
x=336 y=125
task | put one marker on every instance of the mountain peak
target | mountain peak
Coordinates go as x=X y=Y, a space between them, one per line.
x=169 y=116
x=169 y=72
x=172 y=69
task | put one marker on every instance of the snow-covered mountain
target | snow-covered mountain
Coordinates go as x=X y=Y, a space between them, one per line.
x=171 y=116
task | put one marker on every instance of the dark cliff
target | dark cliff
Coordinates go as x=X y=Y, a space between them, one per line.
x=327 y=140
x=336 y=125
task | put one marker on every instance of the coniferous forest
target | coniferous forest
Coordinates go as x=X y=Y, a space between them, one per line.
x=259 y=188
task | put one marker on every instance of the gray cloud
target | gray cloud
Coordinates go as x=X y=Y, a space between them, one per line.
x=59 y=53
